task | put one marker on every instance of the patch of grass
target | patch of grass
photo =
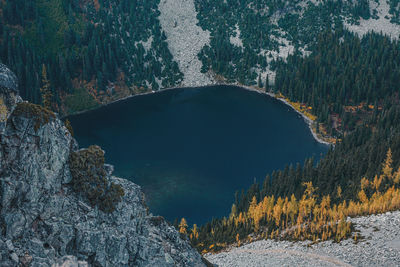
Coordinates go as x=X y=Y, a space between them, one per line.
x=80 y=100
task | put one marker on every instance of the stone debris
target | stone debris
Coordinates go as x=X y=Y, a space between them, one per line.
x=380 y=25
x=378 y=244
x=185 y=39
x=236 y=40
x=70 y=261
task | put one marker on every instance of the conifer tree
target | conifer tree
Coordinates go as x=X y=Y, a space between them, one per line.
x=45 y=90
x=387 y=165
x=195 y=232
x=267 y=83
x=259 y=83
x=183 y=226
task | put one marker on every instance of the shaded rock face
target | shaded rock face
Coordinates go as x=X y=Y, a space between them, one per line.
x=8 y=94
x=44 y=223
x=8 y=80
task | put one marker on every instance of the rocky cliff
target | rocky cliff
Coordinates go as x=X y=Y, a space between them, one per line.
x=44 y=222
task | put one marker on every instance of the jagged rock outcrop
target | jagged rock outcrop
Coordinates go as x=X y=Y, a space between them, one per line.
x=43 y=222
x=8 y=93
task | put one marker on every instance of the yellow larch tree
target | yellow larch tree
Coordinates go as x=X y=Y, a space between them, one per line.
x=387 y=165
x=293 y=208
x=183 y=226
x=252 y=207
x=195 y=232
x=396 y=176
x=277 y=212
x=339 y=192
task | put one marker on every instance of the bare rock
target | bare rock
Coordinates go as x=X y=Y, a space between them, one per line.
x=8 y=94
x=51 y=225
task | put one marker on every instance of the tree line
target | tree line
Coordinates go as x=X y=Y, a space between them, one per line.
x=312 y=216
x=81 y=42
x=263 y=26
x=336 y=80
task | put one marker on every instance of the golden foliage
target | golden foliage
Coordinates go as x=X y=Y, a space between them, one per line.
x=308 y=218
x=41 y=116
x=300 y=107
x=238 y=240
x=183 y=226
x=387 y=165
x=195 y=232
x=339 y=191
x=68 y=125
x=3 y=110
x=316 y=218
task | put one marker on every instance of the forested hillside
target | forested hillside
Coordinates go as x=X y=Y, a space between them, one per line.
x=266 y=28
x=312 y=215
x=93 y=51
x=352 y=86
x=73 y=55
x=97 y=51
x=344 y=80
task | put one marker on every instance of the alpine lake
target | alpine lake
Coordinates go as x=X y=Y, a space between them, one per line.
x=191 y=149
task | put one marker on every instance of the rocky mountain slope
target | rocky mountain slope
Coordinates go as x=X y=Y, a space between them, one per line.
x=185 y=39
x=43 y=222
x=378 y=244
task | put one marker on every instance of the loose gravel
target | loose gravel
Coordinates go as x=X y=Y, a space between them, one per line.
x=380 y=25
x=378 y=245
x=185 y=39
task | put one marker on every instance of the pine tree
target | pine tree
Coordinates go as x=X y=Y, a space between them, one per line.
x=45 y=90
x=387 y=165
x=259 y=83
x=267 y=83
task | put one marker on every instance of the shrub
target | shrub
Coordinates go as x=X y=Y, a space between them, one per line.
x=68 y=125
x=40 y=114
x=89 y=178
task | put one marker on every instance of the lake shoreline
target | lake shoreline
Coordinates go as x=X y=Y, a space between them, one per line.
x=192 y=141
x=244 y=87
x=306 y=119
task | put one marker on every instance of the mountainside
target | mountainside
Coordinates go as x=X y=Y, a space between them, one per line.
x=318 y=55
x=94 y=51
x=45 y=220
x=97 y=51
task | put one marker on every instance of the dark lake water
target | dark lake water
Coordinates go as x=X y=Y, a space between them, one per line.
x=191 y=149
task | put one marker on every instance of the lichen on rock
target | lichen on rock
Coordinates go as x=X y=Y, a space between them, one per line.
x=39 y=114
